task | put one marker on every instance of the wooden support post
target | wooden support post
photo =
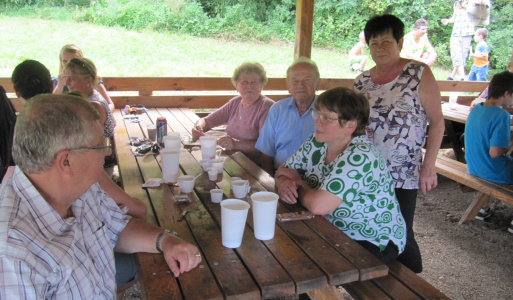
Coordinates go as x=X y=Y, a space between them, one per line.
x=304 y=25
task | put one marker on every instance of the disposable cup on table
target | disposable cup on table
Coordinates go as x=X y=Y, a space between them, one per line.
x=205 y=163
x=216 y=195
x=208 y=146
x=232 y=179
x=233 y=221
x=453 y=100
x=240 y=188
x=218 y=163
x=170 y=161
x=264 y=205
x=212 y=173
x=186 y=183
x=172 y=142
x=151 y=130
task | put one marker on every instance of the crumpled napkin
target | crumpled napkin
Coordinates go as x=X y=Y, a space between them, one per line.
x=152 y=182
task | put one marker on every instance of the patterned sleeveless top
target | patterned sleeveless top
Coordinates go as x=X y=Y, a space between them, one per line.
x=110 y=122
x=398 y=122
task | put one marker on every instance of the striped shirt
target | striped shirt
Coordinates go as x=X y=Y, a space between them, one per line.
x=43 y=256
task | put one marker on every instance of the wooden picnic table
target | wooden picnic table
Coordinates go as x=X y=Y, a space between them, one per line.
x=303 y=257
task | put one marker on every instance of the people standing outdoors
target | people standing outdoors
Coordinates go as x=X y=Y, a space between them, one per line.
x=417 y=46
x=479 y=70
x=289 y=121
x=357 y=56
x=244 y=115
x=59 y=228
x=338 y=173
x=404 y=97
x=461 y=37
x=67 y=53
x=487 y=136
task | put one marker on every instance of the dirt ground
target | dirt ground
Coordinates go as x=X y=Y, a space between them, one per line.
x=469 y=261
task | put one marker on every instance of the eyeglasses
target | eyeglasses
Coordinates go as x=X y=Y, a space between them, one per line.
x=107 y=147
x=250 y=83
x=322 y=118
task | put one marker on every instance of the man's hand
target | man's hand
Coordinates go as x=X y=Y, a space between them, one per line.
x=180 y=256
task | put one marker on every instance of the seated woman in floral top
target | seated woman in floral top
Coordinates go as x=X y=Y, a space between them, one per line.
x=339 y=173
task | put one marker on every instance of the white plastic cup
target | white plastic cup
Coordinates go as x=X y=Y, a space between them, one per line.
x=186 y=183
x=218 y=163
x=170 y=161
x=232 y=179
x=172 y=142
x=212 y=173
x=233 y=221
x=264 y=205
x=205 y=163
x=216 y=195
x=151 y=130
x=240 y=188
x=208 y=146
x=453 y=100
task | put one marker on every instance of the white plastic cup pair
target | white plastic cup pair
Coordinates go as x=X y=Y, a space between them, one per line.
x=234 y=214
x=170 y=160
x=208 y=146
x=186 y=183
x=240 y=188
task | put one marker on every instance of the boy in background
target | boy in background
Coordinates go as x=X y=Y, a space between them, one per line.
x=479 y=69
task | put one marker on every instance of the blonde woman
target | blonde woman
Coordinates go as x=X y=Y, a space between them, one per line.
x=67 y=53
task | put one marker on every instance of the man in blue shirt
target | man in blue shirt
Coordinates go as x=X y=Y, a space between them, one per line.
x=289 y=121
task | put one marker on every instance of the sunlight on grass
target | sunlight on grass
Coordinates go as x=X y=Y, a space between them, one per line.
x=119 y=52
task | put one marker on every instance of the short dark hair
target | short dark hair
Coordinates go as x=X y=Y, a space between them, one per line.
x=31 y=78
x=348 y=104
x=500 y=83
x=379 y=25
x=420 y=22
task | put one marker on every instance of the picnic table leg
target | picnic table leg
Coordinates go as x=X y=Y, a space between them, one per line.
x=474 y=208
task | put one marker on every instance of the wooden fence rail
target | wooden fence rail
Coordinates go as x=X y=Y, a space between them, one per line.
x=213 y=92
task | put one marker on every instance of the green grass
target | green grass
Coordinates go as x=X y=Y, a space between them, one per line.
x=120 y=52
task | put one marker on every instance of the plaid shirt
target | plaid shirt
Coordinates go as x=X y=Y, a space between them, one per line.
x=462 y=25
x=43 y=256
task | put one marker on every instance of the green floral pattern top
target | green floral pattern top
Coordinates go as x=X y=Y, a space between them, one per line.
x=359 y=176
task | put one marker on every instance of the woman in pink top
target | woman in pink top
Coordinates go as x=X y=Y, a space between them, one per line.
x=244 y=115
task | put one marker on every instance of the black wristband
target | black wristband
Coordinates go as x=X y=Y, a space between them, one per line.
x=159 y=238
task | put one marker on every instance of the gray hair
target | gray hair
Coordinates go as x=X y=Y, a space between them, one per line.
x=306 y=61
x=250 y=67
x=49 y=124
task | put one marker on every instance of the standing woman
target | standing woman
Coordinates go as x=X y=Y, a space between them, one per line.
x=404 y=97
x=81 y=76
x=67 y=53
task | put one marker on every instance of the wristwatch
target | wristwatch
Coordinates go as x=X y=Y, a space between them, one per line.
x=159 y=238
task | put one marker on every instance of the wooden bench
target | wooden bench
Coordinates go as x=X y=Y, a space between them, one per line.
x=458 y=172
x=400 y=283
